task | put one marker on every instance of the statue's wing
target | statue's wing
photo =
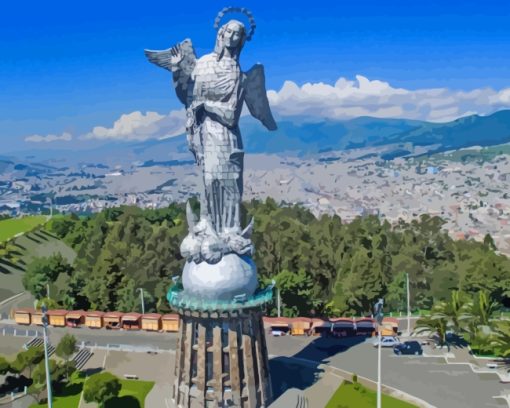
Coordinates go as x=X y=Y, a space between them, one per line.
x=181 y=70
x=256 y=96
x=163 y=58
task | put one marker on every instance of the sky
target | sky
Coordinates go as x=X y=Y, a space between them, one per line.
x=74 y=73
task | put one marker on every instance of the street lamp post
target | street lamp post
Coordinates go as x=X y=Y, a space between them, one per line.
x=46 y=360
x=142 y=300
x=408 y=307
x=378 y=314
x=278 y=300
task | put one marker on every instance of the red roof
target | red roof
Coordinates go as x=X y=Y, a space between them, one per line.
x=113 y=314
x=365 y=319
x=25 y=310
x=341 y=319
x=94 y=313
x=277 y=320
x=76 y=313
x=131 y=316
x=170 y=316
x=151 y=316
x=57 y=312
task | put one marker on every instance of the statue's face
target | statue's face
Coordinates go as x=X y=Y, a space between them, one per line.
x=233 y=34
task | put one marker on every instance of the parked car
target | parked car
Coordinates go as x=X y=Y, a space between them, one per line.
x=278 y=332
x=387 y=341
x=408 y=347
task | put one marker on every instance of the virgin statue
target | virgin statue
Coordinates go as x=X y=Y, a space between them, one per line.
x=213 y=89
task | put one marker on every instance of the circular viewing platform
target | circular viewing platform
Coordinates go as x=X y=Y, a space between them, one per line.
x=182 y=301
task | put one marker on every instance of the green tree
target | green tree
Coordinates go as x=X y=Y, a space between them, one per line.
x=38 y=387
x=478 y=330
x=5 y=366
x=65 y=349
x=434 y=324
x=28 y=359
x=501 y=340
x=100 y=388
x=42 y=271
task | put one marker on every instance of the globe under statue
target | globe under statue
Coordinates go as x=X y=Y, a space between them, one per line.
x=221 y=355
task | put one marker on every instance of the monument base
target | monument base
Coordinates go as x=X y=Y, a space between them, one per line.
x=221 y=360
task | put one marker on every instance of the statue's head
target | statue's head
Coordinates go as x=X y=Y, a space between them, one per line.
x=231 y=35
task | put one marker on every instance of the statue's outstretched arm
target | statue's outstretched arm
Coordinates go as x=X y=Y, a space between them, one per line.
x=256 y=96
x=180 y=60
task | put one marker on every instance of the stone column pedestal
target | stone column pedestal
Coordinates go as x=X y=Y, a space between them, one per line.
x=221 y=360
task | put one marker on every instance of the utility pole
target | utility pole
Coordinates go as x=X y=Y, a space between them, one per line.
x=46 y=360
x=379 y=315
x=48 y=290
x=408 y=307
x=278 y=300
x=142 y=300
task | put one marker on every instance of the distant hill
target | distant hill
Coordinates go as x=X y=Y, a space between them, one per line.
x=303 y=136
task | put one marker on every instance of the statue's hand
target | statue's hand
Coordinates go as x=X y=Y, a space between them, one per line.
x=176 y=54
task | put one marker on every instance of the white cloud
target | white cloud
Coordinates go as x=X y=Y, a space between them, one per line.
x=139 y=126
x=345 y=99
x=66 y=137
x=348 y=99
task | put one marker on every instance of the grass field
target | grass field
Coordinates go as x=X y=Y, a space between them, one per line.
x=350 y=395
x=70 y=395
x=132 y=394
x=12 y=226
x=29 y=246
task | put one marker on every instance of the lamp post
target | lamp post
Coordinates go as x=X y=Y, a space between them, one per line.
x=278 y=300
x=408 y=306
x=142 y=300
x=46 y=360
x=378 y=314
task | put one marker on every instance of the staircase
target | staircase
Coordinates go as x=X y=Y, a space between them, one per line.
x=81 y=358
x=39 y=342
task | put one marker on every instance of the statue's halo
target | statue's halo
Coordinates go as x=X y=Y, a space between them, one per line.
x=242 y=10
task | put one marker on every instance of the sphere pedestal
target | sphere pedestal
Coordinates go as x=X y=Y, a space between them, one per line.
x=221 y=360
x=233 y=275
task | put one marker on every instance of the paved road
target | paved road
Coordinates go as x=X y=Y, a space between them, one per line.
x=431 y=379
x=102 y=338
x=25 y=300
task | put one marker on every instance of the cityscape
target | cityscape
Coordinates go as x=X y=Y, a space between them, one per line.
x=255 y=206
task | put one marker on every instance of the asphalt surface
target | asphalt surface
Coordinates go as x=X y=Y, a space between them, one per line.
x=428 y=378
x=25 y=300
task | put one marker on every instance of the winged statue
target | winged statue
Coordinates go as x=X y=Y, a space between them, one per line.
x=213 y=89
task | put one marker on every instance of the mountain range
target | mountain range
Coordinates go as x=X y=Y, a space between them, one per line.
x=300 y=136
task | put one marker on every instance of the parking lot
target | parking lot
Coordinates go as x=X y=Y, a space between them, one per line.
x=426 y=377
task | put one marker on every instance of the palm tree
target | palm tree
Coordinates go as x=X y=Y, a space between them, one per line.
x=444 y=317
x=479 y=320
x=501 y=338
x=436 y=323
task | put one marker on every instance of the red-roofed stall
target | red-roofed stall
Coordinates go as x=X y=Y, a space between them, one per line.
x=57 y=318
x=365 y=326
x=94 y=320
x=131 y=321
x=151 y=322
x=75 y=318
x=112 y=320
x=343 y=327
x=23 y=316
x=170 y=322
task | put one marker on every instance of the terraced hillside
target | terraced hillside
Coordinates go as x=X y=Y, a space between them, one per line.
x=29 y=246
x=13 y=226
